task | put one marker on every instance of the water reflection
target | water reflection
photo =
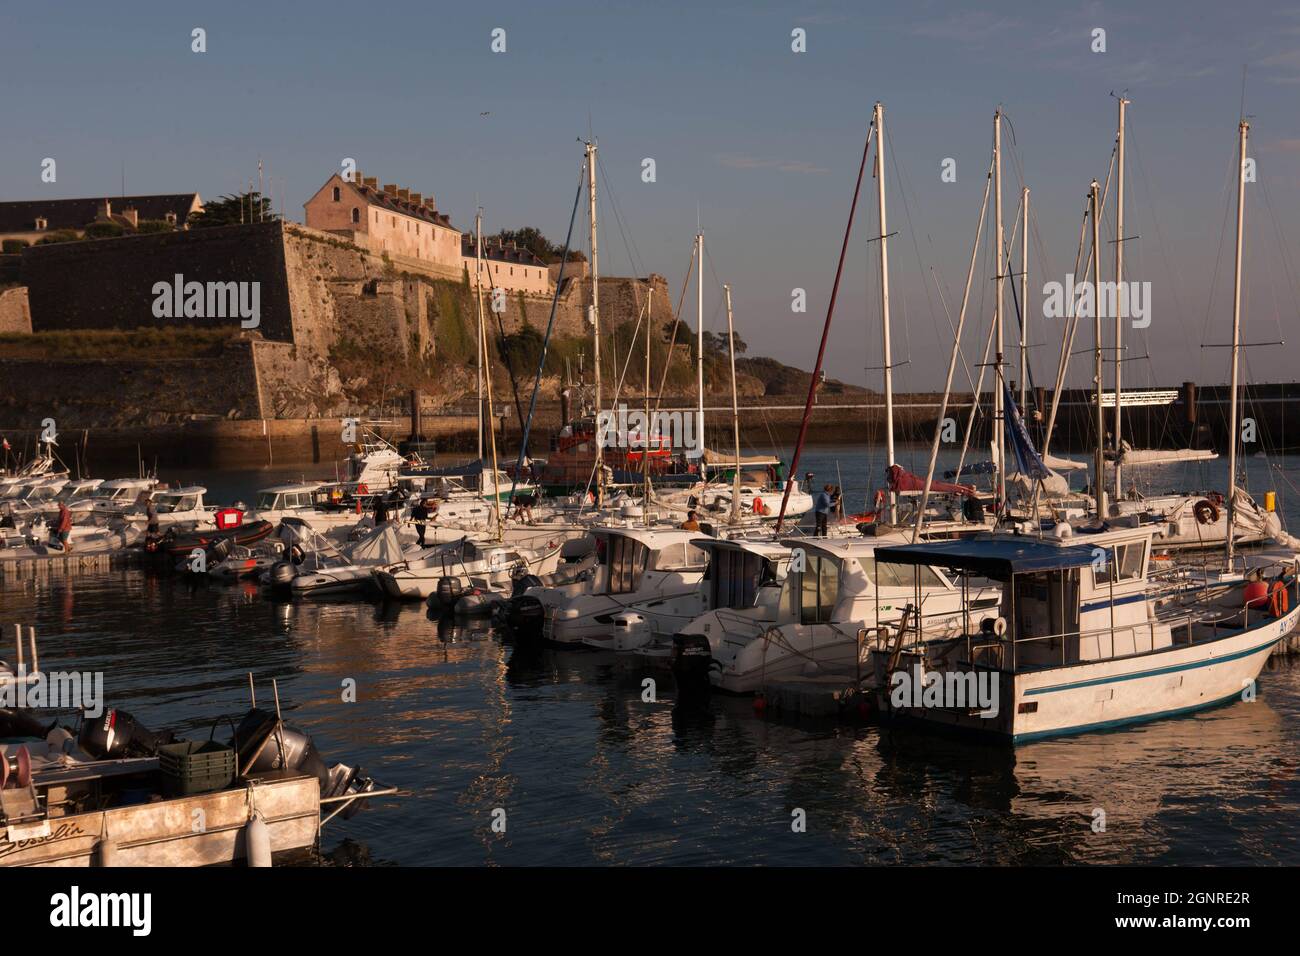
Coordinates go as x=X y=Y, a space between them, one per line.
x=588 y=770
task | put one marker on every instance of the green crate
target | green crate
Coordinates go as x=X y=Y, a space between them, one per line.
x=191 y=766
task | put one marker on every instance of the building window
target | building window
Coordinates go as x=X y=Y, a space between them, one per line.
x=42 y=224
x=417 y=228
x=376 y=219
x=356 y=214
x=337 y=193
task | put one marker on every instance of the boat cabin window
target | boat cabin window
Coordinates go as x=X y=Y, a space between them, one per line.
x=169 y=504
x=1047 y=615
x=899 y=575
x=735 y=577
x=626 y=560
x=680 y=557
x=268 y=501
x=84 y=491
x=819 y=587
x=1128 y=558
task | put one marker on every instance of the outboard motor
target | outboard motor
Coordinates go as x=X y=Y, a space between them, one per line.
x=691 y=662
x=116 y=734
x=285 y=748
x=282 y=573
x=524 y=616
x=449 y=591
x=522 y=584
x=281 y=747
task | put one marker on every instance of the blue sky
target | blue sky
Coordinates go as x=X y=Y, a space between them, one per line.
x=763 y=143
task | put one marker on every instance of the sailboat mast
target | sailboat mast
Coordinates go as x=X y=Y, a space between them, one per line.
x=998 y=411
x=1242 y=132
x=645 y=428
x=1120 y=298
x=594 y=316
x=735 y=410
x=478 y=298
x=1099 y=460
x=699 y=345
x=886 y=360
x=1024 y=298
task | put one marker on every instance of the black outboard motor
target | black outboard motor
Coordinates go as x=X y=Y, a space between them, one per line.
x=285 y=749
x=116 y=734
x=449 y=591
x=525 y=616
x=278 y=746
x=282 y=574
x=691 y=662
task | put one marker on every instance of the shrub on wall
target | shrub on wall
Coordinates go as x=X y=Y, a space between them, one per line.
x=154 y=225
x=59 y=235
x=105 y=230
x=13 y=246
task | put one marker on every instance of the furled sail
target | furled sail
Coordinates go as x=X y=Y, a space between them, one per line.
x=901 y=480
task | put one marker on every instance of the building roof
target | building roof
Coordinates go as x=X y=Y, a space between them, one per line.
x=501 y=253
x=21 y=216
x=997 y=558
x=383 y=200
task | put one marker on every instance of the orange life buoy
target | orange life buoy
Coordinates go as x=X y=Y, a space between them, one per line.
x=1206 y=511
x=1279 y=602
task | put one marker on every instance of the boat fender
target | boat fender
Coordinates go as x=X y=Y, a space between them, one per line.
x=1206 y=511
x=106 y=850
x=1062 y=530
x=1279 y=601
x=257 y=838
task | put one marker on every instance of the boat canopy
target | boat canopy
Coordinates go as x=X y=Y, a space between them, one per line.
x=381 y=546
x=998 y=559
x=472 y=469
x=721 y=459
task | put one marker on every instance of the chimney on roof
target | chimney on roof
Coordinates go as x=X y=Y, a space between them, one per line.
x=372 y=182
x=356 y=177
x=131 y=216
x=104 y=210
x=428 y=201
x=417 y=199
x=404 y=194
x=391 y=189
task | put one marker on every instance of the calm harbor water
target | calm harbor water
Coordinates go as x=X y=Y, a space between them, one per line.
x=589 y=774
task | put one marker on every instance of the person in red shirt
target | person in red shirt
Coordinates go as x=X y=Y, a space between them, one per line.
x=64 y=527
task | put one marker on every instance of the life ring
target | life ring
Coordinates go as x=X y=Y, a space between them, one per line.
x=1279 y=602
x=1206 y=511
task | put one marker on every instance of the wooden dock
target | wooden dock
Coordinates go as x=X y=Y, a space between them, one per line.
x=31 y=566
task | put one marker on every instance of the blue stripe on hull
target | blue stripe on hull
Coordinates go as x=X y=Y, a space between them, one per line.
x=1124 y=721
x=1173 y=668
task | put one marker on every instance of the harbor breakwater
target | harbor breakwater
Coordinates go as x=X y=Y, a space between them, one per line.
x=770 y=422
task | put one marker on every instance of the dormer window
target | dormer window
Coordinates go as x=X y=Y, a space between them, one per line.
x=171 y=218
x=42 y=224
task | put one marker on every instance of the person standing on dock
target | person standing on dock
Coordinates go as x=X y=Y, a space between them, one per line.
x=822 y=506
x=63 y=527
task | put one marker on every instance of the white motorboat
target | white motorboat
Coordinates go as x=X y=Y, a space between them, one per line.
x=833 y=589
x=117 y=496
x=495 y=563
x=308 y=501
x=1079 y=641
x=319 y=568
x=659 y=567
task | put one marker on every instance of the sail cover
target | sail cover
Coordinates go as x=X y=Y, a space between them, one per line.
x=901 y=480
x=380 y=546
x=1022 y=446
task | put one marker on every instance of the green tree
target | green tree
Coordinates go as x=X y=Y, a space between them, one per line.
x=233 y=210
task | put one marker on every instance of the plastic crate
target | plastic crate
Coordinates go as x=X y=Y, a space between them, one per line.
x=191 y=766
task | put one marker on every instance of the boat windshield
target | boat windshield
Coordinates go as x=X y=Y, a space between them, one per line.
x=170 y=504
x=268 y=501
x=898 y=575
